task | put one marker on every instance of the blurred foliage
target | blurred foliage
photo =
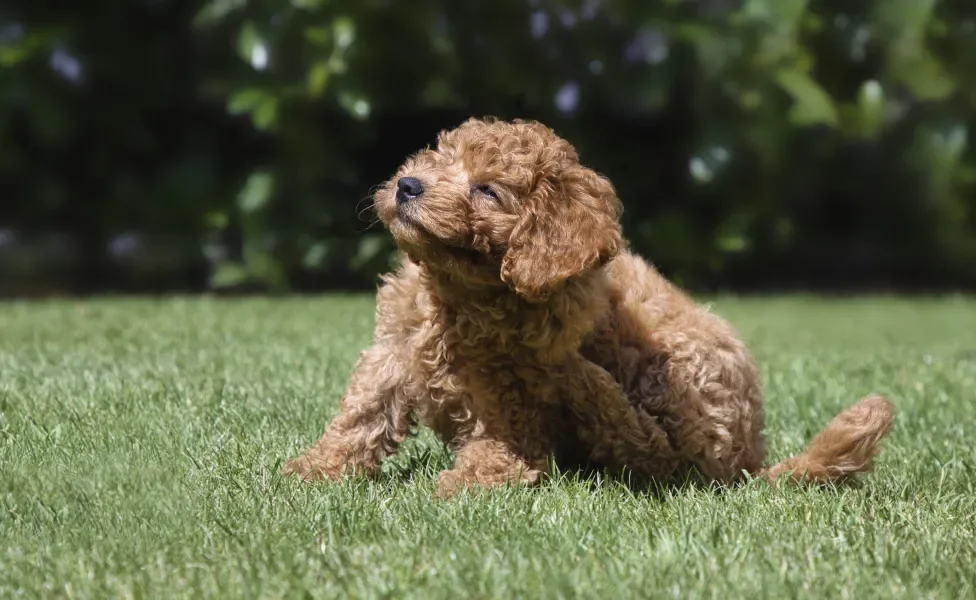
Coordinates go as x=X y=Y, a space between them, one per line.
x=159 y=143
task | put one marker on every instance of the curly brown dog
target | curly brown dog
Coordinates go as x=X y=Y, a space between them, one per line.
x=519 y=328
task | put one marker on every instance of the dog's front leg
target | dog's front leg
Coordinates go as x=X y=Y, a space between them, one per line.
x=374 y=417
x=489 y=463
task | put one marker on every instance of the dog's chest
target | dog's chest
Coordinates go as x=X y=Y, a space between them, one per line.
x=451 y=364
x=459 y=368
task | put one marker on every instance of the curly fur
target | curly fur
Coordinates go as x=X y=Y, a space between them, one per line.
x=519 y=328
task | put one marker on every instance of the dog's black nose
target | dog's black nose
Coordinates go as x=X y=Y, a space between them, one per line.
x=408 y=188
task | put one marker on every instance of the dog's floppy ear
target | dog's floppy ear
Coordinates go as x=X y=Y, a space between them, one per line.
x=570 y=224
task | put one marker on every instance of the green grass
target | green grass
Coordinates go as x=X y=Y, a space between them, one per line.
x=140 y=442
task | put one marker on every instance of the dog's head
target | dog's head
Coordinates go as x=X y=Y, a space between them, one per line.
x=503 y=202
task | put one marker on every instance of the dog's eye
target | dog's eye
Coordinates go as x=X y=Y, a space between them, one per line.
x=486 y=190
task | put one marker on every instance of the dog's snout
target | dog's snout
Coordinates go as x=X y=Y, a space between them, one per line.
x=408 y=188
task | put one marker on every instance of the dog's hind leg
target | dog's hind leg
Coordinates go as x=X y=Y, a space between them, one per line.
x=488 y=463
x=617 y=433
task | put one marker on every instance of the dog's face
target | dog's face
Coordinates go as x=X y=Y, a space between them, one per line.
x=502 y=202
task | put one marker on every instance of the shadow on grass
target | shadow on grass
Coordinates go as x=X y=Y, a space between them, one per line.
x=422 y=462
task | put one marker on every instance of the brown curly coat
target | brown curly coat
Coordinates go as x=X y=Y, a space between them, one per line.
x=519 y=328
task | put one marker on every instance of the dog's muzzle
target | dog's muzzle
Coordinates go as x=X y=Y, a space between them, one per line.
x=408 y=188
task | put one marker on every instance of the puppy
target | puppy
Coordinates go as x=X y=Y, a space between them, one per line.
x=519 y=328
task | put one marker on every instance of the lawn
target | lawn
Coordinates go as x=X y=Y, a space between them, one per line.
x=140 y=442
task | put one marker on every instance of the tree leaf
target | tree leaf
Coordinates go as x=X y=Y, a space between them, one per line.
x=871 y=108
x=368 y=248
x=248 y=39
x=345 y=32
x=921 y=72
x=245 y=100
x=265 y=115
x=316 y=255
x=318 y=35
x=215 y=11
x=318 y=77
x=355 y=104
x=782 y=13
x=228 y=274
x=307 y=4
x=813 y=105
x=906 y=18
x=256 y=192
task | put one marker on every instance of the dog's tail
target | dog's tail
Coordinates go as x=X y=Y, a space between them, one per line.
x=846 y=447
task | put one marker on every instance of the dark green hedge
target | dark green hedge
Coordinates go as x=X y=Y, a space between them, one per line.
x=160 y=144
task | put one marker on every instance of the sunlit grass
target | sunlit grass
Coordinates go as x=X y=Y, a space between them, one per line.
x=140 y=443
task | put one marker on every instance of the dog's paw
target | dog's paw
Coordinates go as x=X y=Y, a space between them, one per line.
x=312 y=468
x=452 y=482
x=449 y=483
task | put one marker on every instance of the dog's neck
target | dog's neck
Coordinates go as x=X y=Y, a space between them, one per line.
x=495 y=316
